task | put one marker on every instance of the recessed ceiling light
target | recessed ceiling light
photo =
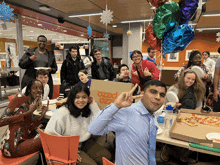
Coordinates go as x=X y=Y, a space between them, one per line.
x=64 y=30
x=114 y=26
x=31 y=31
x=44 y=8
x=82 y=35
x=39 y=24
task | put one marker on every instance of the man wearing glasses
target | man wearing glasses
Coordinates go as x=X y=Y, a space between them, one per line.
x=38 y=57
x=102 y=68
x=142 y=70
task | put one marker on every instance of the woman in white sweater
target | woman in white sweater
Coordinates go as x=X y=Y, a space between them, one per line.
x=74 y=118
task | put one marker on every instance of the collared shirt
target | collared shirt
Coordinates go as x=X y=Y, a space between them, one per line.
x=135 y=130
x=152 y=60
x=210 y=64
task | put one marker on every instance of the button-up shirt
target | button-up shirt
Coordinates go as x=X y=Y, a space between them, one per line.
x=135 y=130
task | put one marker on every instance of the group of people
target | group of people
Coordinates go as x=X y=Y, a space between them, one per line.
x=134 y=124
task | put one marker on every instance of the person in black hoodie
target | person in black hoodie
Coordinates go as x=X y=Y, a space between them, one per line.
x=102 y=68
x=69 y=70
x=38 y=57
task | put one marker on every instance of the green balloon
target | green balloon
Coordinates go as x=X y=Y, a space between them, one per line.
x=164 y=14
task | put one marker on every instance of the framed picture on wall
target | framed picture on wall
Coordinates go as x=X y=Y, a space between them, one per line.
x=187 y=55
x=2 y=56
x=214 y=55
x=173 y=57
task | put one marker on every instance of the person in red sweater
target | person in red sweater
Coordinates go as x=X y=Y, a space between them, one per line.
x=146 y=69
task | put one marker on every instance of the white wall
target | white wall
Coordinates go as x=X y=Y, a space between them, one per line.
x=117 y=51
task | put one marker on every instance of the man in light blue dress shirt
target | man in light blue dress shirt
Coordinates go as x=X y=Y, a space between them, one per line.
x=134 y=124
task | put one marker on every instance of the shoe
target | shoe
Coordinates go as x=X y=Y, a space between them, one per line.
x=165 y=153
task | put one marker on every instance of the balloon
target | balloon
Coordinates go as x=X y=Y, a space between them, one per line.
x=152 y=40
x=164 y=14
x=187 y=10
x=157 y=3
x=178 y=38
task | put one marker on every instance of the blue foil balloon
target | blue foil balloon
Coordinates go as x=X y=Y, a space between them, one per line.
x=187 y=10
x=177 y=39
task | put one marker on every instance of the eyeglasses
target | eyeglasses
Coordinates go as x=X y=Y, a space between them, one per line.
x=136 y=56
x=98 y=54
x=42 y=41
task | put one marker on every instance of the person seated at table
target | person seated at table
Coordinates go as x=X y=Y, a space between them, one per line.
x=21 y=137
x=43 y=76
x=73 y=118
x=83 y=76
x=190 y=90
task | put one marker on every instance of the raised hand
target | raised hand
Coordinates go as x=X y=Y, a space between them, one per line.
x=146 y=72
x=125 y=99
x=135 y=73
x=122 y=75
x=33 y=57
x=91 y=100
x=44 y=110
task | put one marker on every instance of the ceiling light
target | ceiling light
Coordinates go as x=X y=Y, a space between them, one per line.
x=64 y=30
x=86 y=14
x=0 y=33
x=208 y=28
x=31 y=31
x=211 y=14
x=39 y=24
x=44 y=8
x=138 y=20
x=82 y=35
x=114 y=26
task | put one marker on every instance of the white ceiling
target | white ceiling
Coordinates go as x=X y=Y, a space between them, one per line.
x=31 y=34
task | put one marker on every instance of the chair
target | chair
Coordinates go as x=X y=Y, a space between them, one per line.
x=19 y=160
x=106 y=161
x=10 y=97
x=60 y=149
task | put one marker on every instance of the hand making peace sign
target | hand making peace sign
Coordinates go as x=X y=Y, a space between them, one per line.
x=125 y=99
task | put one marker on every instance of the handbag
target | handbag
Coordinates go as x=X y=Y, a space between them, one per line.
x=142 y=79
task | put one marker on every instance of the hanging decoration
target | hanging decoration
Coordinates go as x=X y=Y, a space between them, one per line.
x=157 y=3
x=152 y=39
x=218 y=37
x=6 y=12
x=129 y=32
x=106 y=35
x=89 y=29
x=143 y=33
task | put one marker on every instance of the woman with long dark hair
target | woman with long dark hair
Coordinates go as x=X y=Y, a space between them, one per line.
x=21 y=137
x=74 y=118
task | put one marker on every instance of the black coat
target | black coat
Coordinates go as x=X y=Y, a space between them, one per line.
x=107 y=69
x=26 y=63
x=70 y=70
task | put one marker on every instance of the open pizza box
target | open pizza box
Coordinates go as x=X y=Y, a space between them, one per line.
x=197 y=134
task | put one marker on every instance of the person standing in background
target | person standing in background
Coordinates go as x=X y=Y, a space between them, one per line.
x=88 y=60
x=151 y=55
x=38 y=57
x=208 y=62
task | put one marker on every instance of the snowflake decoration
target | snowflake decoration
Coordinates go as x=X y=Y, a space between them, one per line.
x=218 y=39
x=106 y=35
x=5 y=12
x=218 y=34
x=89 y=30
x=106 y=16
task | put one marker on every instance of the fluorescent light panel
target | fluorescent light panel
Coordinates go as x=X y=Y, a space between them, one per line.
x=211 y=14
x=138 y=20
x=208 y=28
x=85 y=14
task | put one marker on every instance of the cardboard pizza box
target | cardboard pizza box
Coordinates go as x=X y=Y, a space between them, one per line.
x=197 y=134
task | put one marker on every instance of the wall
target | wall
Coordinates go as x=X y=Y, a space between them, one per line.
x=201 y=42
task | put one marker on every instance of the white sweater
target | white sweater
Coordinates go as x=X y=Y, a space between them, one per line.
x=64 y=124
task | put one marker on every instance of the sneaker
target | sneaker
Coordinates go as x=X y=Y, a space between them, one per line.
x=165 y=153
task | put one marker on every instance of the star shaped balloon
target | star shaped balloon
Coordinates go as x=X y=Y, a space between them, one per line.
x=218 y=39
x=218 y=34
x=89 y=30
x=6 y=12
x=106 y=16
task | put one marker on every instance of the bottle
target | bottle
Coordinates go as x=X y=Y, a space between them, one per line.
x=168 y=119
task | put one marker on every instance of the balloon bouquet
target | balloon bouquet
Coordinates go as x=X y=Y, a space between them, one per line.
x=169 y=30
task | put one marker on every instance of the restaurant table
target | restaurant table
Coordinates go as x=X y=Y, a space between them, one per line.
x=163 y=138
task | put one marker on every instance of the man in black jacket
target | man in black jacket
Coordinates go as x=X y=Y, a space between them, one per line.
x=38 y=57
x=102 y=68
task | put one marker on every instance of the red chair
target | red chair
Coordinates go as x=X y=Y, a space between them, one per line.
x=106 y=161
x=16 y=161
x=60 y=149
x=10 y=97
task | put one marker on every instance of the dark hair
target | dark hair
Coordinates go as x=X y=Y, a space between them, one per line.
x=207 y=53
x=192 y=55
x=78 y=57
x=74 y=111
x=96 y=50
x=41 y=36
x=120 y=66
x=84 y=71
x=154 y=83
x=136 y=51
x=149 y=49
x=219 y=50
x=42 y=72
x=28 y=89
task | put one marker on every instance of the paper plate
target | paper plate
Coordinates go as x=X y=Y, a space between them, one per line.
x=50 y=102
x=38 y=68
x=200 y=73
x=172 y=97
x=213 y=135
x=159 y=131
